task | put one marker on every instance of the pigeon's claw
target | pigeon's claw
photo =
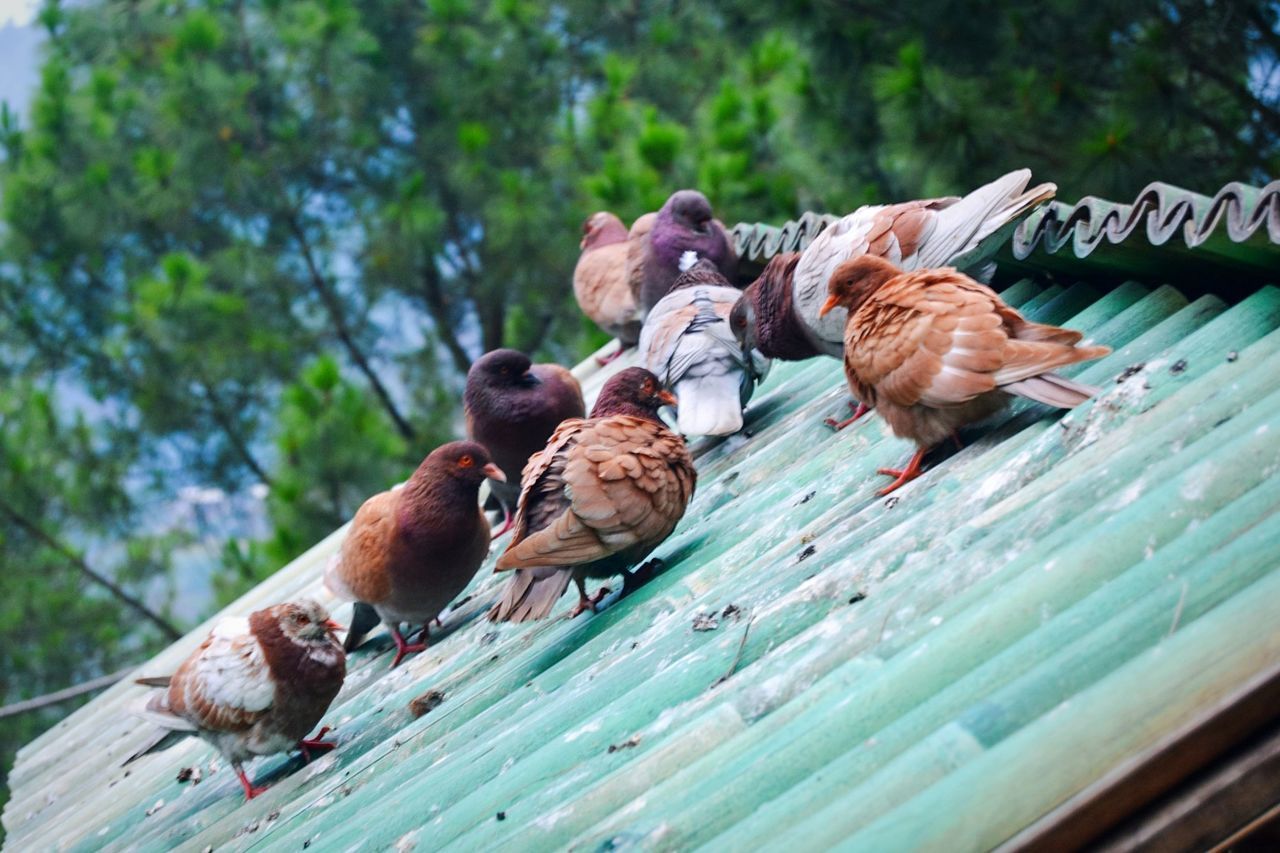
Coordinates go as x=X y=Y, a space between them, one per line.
x=904 y=475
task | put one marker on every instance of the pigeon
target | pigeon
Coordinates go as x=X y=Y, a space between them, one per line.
x=600 y=496
x=684 y=224
x=512 y=406
x=963 y=232
x=933 y=350
x=255 y=686
x=411 y=550
x=637 y=247
x=688 y=345
x=600 y=280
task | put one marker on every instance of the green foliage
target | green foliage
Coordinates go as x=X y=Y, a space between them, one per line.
x=336 y=447
x=61 y=482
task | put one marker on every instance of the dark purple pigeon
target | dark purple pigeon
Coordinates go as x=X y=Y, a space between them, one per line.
x=684 y=224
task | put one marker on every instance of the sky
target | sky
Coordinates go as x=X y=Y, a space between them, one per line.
x=17 y=11
x=19 y=54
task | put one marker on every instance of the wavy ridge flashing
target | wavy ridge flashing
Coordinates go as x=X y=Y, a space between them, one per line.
x=1239 y=227
x=757 y=242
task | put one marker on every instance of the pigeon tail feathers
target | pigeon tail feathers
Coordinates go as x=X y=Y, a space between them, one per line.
x=710 y=405
x=1053 y=390
x=972 y=229
x=531 y=594
x=363 y=620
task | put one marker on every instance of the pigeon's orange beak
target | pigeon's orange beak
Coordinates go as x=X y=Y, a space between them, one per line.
x=334 y=626
x=832 y=302
x=493 y=472
x=668 y=398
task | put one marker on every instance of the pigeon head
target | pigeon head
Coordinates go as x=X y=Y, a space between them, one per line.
x=763 y=318
x=466 y=461
x=501 y=368
x=700 y=272
x=304 y=622
x=634 y=391
x=855 y=280
x=742 y=321
x=601 y=229
x=690 y=209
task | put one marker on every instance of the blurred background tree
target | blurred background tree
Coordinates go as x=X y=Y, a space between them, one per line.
x=249 y=247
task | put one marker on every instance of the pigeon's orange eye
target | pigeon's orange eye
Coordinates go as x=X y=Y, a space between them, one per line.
x=304 y=620
x=466 y=461
x=648 y=386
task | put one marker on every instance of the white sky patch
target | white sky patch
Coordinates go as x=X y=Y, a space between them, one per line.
x=20 y=12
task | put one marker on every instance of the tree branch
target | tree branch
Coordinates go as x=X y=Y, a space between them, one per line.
x=220 y=417
x=330 y=300
x=166 y=627
x=67 y=693
x=433 y=294
x=539 y=335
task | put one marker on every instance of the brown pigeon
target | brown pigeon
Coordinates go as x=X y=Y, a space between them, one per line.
x=512 y=406
x=600 y=279
x=637 y=248
x=255 y=686
x=411 y=550
x=934 y=350
x=685 y=223
x=597 y=499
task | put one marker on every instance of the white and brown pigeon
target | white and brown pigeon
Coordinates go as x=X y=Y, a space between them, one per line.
x=410 y=551
x=779 y=313
x=602 y=493
x=255 y=686
x=688 y=344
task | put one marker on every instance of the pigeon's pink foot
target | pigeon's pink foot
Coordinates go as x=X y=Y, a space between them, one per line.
x=403 y=648
x=587 y=602
x=903 y=476
x=858 y=411
x=602 y=360
x=250 y=790
x=316 y=745
x=508 y=522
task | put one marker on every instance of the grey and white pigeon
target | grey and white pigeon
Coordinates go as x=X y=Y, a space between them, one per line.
x=688 y=344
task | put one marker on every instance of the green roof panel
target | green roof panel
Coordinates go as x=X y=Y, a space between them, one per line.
x=815 y=666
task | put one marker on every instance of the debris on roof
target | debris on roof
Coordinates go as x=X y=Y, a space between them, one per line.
x=815 y=666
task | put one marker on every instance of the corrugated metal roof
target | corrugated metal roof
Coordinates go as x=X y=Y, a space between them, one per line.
x=816 y=666
x=757 y=242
